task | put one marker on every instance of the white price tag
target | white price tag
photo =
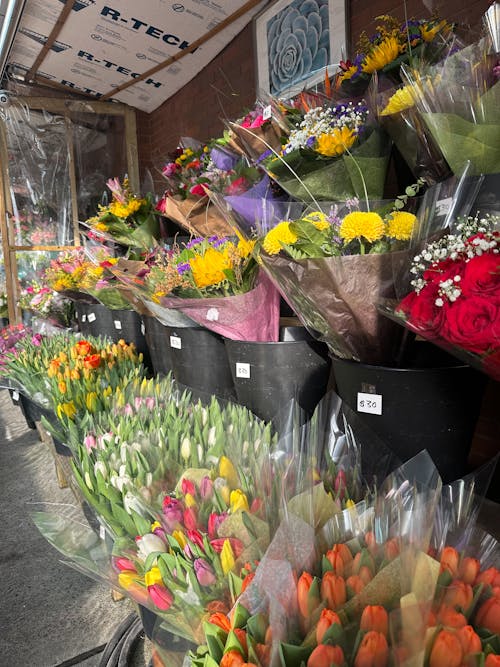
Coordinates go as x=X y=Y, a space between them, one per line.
x=371 y=403
x=242 y=370
x=267 y=112
x=118 y=325
x=143 y=328
x=15 y=395
x=176 y=342
x=443 y=206
x=84 y=317
x=91 y=317
x=102 y=532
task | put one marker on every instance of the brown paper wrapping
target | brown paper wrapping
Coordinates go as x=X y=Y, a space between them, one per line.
x=338 y=298
x=199 y=218
x=256 y=140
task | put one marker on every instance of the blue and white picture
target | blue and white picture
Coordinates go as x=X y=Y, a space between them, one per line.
x=296 y=40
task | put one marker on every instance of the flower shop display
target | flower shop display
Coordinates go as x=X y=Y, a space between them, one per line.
x=129 y=220
x=48 y=305
x=453 y=302
x=4 y=308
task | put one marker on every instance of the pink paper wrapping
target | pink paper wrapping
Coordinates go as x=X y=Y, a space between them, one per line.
x=253 y=316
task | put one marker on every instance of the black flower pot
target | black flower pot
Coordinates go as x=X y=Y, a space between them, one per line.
x=432 y=404
x=199 y=361
x=268 y=375
x=82 y=311
x=158 y=342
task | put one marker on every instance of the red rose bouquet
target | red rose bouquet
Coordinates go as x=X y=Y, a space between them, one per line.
x=455 y=301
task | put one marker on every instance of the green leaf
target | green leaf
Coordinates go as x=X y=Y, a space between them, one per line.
x=293 y=656
x=215 y=648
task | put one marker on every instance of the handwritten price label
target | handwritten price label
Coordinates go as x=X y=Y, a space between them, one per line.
x=176 y=342
x=118 y=325
x=91 y=317
x=370 y=403
x=242 y=370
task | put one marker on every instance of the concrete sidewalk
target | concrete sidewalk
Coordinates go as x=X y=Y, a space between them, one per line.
x=50 y=614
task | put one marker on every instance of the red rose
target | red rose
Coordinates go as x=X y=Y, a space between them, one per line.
x=197 y=190
x=443 y=270
x=481 y=276
x=422 y=311
x=473 y=323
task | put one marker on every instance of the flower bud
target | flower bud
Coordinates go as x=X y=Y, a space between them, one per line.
x=458 y=595
x=89 y=442
x=492 y=660
x=204 y=572
x=446 y=650
x=159 y=594
x=228 y=472
x=148 y=544
x=326 y=620
x=469 y=570
x=375 y=617
x=333 y=590
x=326 y=656
x=186 y=448
x=172 y=511
x=232 y=658
x=471 y=642
x=306 y=605
x=206 y=488
x=354 y=585
x=188 y=487
x=190 y=518
x=238 y=501
x=490 y=577
x=373 y=651
x=449 y=561
x=220 y=620
x=488 y=615
x=450 y=617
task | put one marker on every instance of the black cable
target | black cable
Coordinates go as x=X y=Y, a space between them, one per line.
x=131 y=639
x=116 y=638
x=82 y=656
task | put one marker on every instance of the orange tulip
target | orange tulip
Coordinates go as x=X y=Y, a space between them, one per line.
x=373 y=651
x=263 y=652
x=449 y=561
x=232 y=659
x=326 y=656
x=490 y=577
x=458 y=594
x=241 y=635
x=471 y=643
x=83 y=348
x=375 y=617
x=496 y=591
x=391 y=549
x=333 y=590
x=339 y=556
x=469 y=569
x=247 y=581
x=450 y=617
x=365 y=574
x=306 y=606
x=92 y=361
x=446 y=650
x=488 y=615
x=220 y=620
x=327 y=619
x=354 y=584
x=492 y=660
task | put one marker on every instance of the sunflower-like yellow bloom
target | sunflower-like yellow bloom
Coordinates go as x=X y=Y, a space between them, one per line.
x=318 y=219
x=336 y=142
x=208 y=269
x=101 y=227
x=360 y=224
x=125 y=210
x=348 y=73
x=401 y=100
x=277 y=237
x=227 y=557
x=381 y=55
x=400 y=225
x=245 y=247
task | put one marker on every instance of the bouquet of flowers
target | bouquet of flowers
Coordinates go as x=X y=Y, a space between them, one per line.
x=334 y=153
x=453 y=303
x=393 y=44
x=215 y=282
x=47 y=303
x=11 y=336
x=4 y=306
x=333 y=265
x=129 y=220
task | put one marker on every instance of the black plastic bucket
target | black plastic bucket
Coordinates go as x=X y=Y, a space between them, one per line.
x=158 y=342
x=268 y=375
x=433 y=404
x=81 y=313
x=199 y=361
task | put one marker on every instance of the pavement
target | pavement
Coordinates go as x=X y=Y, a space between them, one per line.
x=50 y=614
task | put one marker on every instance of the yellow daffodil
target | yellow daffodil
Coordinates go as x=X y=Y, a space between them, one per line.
x=401 y=100
x=208 y=269
x=228 y=472
x=381 y=55
x=238 y=501
x=400 y=225
x=277 y=237
x=227 y=557
x=180 y=538
x=336 y=142
x=318 y=219
x=357 y=225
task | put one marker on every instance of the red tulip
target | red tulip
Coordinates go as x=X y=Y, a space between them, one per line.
x=446 y=650
x=488 y=615
x=306 y=606
x=190 y=518
x=458 y=594
x=333 y=590
x=469 y=570
x=187 y=486
x=492 y=660
x=92 y=361
x=471 y=643
x=220 y=620
x=355 y=584
x=490 y=577
x=449 y=561
x=326 y=656
x=450 y=617
x=161 y=596
x=375 y=617
x=373 y=651
x=263 y=652
x=326 y=620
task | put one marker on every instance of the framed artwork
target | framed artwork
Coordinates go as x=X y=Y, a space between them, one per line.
x=295 y=41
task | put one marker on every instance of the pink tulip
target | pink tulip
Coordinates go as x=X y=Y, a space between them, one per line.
x=204 y=572
x=161 y=596
x=187 y=486
x=206 y=488
x=172 y=511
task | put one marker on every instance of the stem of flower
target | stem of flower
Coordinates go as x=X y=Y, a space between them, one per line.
x=361 y=247
x=362 y=178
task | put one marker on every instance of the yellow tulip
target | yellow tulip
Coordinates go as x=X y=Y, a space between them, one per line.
x=238 y=501
x=180 y=538
x=227 y=557
x=189 y=500
x=62 y=387
x=228 y=471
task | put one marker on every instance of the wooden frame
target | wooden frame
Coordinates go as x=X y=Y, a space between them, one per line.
x=295 y=41
x=65 y=108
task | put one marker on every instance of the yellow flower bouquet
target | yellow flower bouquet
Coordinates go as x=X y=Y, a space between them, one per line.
x=333 y=266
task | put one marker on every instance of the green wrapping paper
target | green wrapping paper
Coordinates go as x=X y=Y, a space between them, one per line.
x=337 y=178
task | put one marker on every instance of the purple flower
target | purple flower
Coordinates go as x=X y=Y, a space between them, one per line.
x=193 y=242
x=204 y=572
x=218 y=242
x=182 y=268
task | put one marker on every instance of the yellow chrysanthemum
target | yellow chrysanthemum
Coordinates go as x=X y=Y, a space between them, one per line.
x=125 y=210
x=381 y=55
x=360 y=224
x=245 y=248
x=401 y=100
x=208 y=269
x=400 y=225
x=277 y=237
x=336 y=142
x=318 y=219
